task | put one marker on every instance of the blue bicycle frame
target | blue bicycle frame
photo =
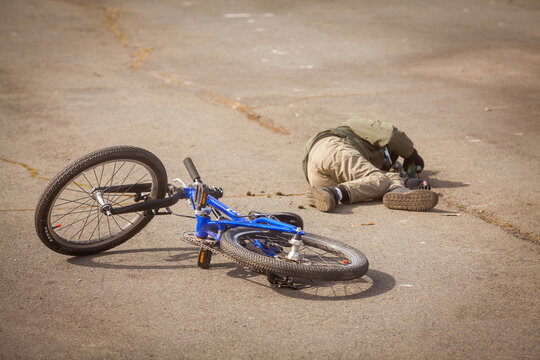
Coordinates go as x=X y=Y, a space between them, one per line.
x=206 y=227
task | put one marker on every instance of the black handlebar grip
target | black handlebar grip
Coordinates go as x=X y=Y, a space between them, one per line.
x=192 y=170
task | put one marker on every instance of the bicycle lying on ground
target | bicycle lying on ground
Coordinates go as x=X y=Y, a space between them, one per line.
x=106 y=197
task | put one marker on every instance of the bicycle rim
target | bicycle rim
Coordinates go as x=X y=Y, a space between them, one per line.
x=319 y=258
x=74 y=217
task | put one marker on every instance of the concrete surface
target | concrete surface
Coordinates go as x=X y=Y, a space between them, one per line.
x=240 y=86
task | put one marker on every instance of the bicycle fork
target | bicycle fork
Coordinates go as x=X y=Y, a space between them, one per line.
x=296 y=243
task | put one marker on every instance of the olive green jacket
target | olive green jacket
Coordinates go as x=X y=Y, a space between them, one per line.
x=369 y=137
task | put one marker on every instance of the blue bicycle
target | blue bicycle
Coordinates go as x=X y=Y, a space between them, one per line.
x=106 y=197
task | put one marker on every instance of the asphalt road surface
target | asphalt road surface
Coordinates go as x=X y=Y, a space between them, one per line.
x=240 y=86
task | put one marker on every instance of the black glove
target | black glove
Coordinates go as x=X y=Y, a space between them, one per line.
x=417 y=184
x=413 y=159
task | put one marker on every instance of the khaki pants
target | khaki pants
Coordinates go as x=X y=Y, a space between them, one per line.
x=333 y=161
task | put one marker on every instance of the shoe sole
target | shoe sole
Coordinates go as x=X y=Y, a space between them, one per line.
x=320 y=199
x=416 y=200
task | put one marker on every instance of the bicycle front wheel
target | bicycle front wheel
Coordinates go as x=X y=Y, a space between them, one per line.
x=319 y=258
x=69 y=219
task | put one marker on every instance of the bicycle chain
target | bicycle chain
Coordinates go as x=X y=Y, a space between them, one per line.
x=206 y=244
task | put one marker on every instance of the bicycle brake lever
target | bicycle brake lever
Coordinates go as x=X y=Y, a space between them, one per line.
x=215 y=192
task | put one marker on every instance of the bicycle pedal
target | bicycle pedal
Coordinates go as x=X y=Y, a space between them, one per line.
x=205 y=256
x=282 y=282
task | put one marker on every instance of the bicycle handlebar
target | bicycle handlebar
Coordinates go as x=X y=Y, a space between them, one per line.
x=192 y=170
x=202 y=189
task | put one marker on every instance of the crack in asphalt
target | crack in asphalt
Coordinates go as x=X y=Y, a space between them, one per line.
x=295 y=100
x=140 y=56
x=493 y=219
x=141 y=53
x=249 y=112
x=27 y=167
x=112 y=16
x=239 y=106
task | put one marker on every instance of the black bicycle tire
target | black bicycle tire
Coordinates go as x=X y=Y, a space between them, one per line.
x=268 y=265
x=70 y=172
x=290 y=218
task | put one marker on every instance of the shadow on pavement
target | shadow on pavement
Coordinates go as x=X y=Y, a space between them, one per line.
x=153 y=259
x=446 y=184
x=374 y=283
x=438 y=183
x=348 y=208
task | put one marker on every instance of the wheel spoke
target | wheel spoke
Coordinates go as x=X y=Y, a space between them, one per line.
x=116 y=222
x=85 y=219
x=76 y=221
x=81 y=231
x=318 y=255
x=82 y=204
x=114 y=172
x=76 y=201
x=312 y=254
x=100 y=215
x=109 y=226
x=123 y=218
x=84 y=226
x=128 y=175
x=88 y=181
x=101 y=176
x=79 y=186
x=74 y=190
x=95 y=176
x=70 y=213
x=95 y=228
x=114 y=195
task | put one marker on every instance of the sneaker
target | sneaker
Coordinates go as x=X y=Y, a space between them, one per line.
x=413 y=200
x=324 y=199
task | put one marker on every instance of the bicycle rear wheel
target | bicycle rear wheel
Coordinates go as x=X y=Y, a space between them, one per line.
x=68 y=218
x=320 y=258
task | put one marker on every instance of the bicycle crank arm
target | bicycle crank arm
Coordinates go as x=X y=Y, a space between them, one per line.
x=151 y=204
